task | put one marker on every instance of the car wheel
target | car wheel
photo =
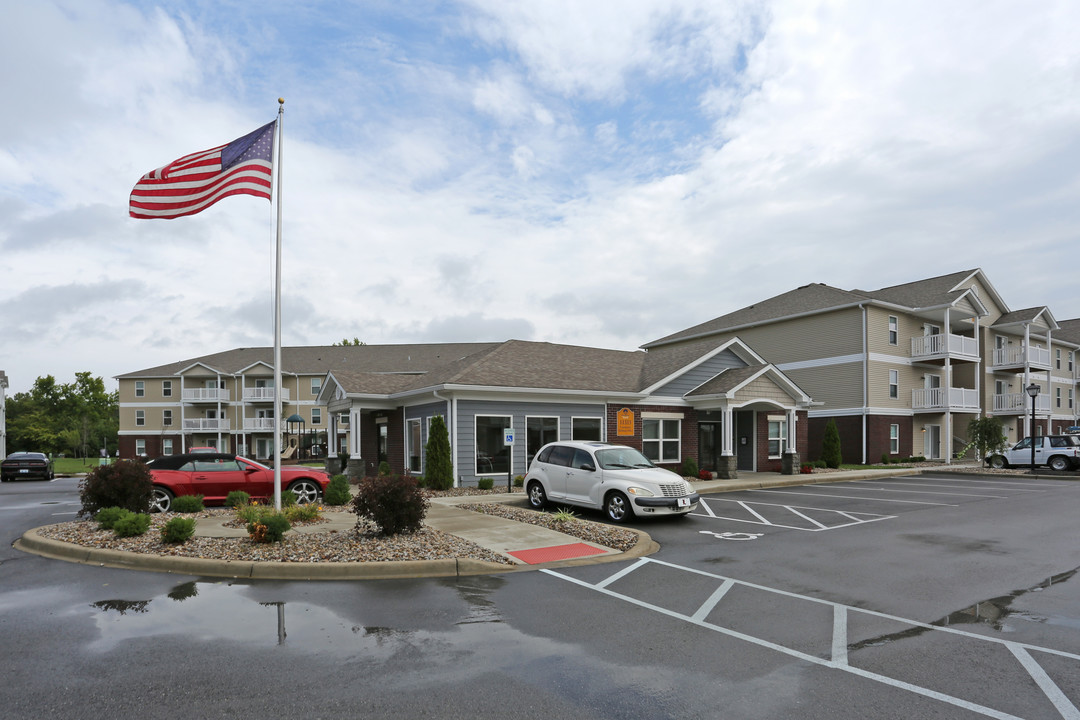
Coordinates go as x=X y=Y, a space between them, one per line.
x=617 y=507
x=306 y=491
x=537 y=496
x=1058 y=463
x=999 y=462
x=160 y=500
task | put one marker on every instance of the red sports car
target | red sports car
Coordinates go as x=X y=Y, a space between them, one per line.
x=215 y=475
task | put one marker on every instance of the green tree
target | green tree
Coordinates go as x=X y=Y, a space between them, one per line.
x=54 y=418
x=987 y=434
x=439 y=473
x=830 y=445
x=346 y=342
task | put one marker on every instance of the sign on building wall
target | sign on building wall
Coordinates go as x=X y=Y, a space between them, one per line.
x=625 y=425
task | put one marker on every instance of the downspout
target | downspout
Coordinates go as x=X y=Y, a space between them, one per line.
x=866 y=379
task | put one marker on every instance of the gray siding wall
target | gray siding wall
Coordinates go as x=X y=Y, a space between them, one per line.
x=700 y=374
x=469 y=409
x=424 y=412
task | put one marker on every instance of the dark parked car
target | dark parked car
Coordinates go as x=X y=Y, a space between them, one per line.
x=26 y=466
x=215 y=475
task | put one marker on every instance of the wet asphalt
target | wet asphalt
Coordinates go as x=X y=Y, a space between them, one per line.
x=716 y=624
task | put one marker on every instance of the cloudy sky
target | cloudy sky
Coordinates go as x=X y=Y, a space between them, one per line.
x=598 y=173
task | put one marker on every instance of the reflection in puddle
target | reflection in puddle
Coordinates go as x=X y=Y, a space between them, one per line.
x=997 y=613
x=122 y=606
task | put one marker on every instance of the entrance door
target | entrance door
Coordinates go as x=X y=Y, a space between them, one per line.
x=744 y=440
x=932 y=445
x=709 y=446
x=383 y=455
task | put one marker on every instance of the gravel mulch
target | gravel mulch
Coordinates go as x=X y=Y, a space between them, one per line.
x=355 y=545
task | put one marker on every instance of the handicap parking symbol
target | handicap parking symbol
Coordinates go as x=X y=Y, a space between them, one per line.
x=732 y=535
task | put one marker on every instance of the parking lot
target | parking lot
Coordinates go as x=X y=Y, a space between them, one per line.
x=925 y=585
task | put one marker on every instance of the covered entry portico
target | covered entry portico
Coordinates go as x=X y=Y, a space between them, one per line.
x=751 y=419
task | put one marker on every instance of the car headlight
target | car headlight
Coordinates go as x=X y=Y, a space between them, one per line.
x=639 y=491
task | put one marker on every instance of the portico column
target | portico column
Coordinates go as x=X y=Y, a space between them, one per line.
x=789 y=461
x=728 y=467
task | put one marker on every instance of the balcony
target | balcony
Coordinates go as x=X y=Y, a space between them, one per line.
x=264 y=394
x=1014 y=357
x=205 y=395
x=205 y=424
x=942 y=399
x=938 y=347
x=258 y=424
x=1020 y=404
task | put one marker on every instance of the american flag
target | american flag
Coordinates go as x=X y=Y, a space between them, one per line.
x=197 y=181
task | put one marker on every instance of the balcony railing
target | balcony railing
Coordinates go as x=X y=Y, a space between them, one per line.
x=206 y=395
x=205 y=424
x=264 y=394
x=259 y=424
x=958 y=346
x=945 y=399
x=1015 y=356
x=1019 y=404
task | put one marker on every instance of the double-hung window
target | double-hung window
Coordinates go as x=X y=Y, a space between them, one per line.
x=894 y=439
x=894 y=330
x=661 y=439
x=166 y=388
x=316 y=416
x=140 y=388
x=777 y=436
x=166 y=419
x=140 y=418
x=894 y=383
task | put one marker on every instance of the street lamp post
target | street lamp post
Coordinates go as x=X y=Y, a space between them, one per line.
x=1032 y=391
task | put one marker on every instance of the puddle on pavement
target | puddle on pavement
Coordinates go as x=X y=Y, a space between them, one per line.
x=997 y=613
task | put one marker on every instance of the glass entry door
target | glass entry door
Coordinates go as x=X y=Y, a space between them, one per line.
x=710 y=446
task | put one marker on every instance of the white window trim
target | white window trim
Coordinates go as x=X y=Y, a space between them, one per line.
x=782 y=421
x=140 y=446
x=894 y=439
x=166 y=388
x=603 y=434
x=316 y=412
x=140 y=418
x=894 y=374
x=140 y=388
x=476 y=469
x=408 y=441
x=316 y=386
x=661 y=440
x=894 y=330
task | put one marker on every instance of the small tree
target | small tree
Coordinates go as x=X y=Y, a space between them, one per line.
x=125 y=484
x=830 y=445
x=440 y=466
x=987 y=434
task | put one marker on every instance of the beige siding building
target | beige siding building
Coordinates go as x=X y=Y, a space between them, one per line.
x=902 y=370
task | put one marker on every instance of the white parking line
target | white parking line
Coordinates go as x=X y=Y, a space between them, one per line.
x=925 y=492
x=839 y=655
x=852 y=497
x=794 y=510
x=936 y=485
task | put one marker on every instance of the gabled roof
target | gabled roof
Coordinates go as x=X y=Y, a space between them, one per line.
x=1068 y=331
x=1027 y=316
x=937 y=292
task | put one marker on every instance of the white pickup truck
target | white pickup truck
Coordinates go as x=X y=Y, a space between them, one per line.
x=1058 y=452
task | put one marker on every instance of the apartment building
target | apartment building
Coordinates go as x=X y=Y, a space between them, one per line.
x=903 y=369
x=716 y=402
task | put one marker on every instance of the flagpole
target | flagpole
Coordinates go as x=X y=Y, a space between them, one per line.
x=277 y=315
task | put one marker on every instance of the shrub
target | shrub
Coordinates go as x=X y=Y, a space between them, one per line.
x=337 y=492
x=704 y=475
x=288 y=498
x=249 y=512
x=393 y=503
x=830 y=446
x=301 y=513
x=107 y=517
x=884 y=458
x=440 y=465
x=188 y=504
x=384 y=469
x=519 y=480
x=269 y=527
x=344 y=457
x=178 y=530
x=485 y=483
x=125 y=483
x=806 y=469
x=236 y=499
x=689 y=467
x=131 y=524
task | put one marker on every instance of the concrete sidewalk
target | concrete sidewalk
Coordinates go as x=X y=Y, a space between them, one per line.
x=494 y=533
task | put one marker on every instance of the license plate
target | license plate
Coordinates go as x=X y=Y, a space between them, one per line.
x=25 y=470
x=683 y=502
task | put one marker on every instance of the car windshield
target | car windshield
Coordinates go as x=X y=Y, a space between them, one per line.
x=622 y=458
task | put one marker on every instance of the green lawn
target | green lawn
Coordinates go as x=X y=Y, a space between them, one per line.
x=73 y=466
